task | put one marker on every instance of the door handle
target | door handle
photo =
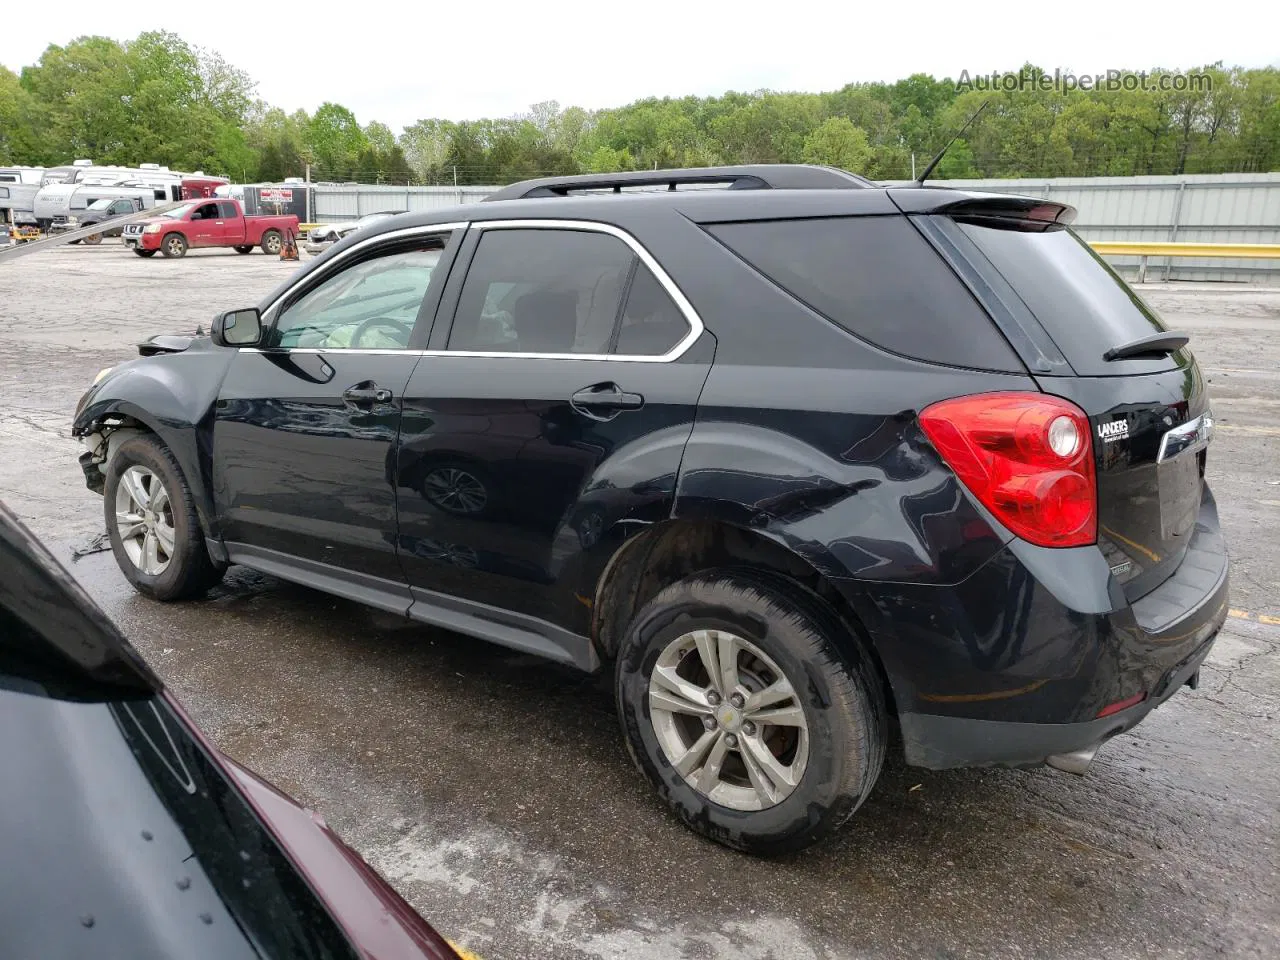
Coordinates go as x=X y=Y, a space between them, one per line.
x=365 y=395
x=604 y=401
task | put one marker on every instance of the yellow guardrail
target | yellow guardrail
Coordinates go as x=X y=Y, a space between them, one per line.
x=1179 y=248
x=1174 y=248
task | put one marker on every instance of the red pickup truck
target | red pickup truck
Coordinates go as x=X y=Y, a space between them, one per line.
x=208 y=223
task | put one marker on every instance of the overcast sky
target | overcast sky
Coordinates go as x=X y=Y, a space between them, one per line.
x=397 y=62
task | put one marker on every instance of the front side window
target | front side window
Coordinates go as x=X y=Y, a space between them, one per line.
x=122 y=206
x=206 y=211
x=371 y=304
x=553 y=291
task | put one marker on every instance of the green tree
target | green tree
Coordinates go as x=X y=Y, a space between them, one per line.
x=335 y=140
x=838 y=143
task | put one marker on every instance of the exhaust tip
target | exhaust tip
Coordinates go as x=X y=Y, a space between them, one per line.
x=1077 y=761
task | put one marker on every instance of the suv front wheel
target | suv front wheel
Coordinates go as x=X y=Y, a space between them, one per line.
x=152 y=523
x=744 y=714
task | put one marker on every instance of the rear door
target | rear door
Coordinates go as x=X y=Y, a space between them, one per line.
x=546 y=424
x=230 y=225
x=305 y=431
x=1148 y=407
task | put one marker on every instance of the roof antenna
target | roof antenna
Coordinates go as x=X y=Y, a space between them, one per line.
x=924 y=174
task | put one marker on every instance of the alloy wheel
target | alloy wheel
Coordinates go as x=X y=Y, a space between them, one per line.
x=144 y=520
x=728 y=720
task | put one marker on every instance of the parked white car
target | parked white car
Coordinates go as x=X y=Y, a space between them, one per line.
x=324 y=236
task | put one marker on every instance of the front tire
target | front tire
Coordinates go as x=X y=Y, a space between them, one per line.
x=146 y=254
x=272 y=242
x=745 y=716
x=152 y=523
x=174 y=246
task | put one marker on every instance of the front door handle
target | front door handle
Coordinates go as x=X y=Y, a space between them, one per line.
x=365 y=394
x=604 y=401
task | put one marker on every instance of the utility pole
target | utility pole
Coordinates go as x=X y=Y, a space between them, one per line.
x=913 y=165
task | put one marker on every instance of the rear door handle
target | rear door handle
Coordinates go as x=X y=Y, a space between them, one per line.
x=365 y=394
x=604 y=401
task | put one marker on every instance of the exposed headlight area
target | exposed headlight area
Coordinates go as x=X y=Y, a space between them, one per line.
x=151 y=228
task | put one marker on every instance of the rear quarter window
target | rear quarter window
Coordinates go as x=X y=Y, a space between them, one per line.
x=1080 y=301
x=878 y=279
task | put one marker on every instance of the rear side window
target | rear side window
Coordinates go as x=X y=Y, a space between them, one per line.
x=1080 y=301
x=879 y=279
x=542 y=291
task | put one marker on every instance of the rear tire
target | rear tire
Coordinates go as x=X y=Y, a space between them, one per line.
x=152 y=523
x=272 y=242
x=244 y=249
x=93 y=239
x=787 y=768
x=174 y=246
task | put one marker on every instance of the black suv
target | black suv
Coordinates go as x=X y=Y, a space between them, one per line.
x=797 y=457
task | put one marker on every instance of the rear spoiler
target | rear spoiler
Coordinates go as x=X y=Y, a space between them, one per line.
x=991 y=209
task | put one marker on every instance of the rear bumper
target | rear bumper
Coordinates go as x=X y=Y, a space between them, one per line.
x=1017 y=663
x=940 y=743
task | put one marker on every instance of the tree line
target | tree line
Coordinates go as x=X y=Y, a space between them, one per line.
x=156 y=98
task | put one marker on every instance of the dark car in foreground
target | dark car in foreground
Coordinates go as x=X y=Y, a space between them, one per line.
x=125 y=833
x=795 y=458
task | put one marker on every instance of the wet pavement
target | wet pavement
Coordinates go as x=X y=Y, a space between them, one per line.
x=494 y=791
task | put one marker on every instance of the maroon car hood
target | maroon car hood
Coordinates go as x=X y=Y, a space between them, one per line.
x=379 y=922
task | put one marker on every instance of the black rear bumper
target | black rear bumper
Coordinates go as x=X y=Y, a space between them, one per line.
x=1088 y=661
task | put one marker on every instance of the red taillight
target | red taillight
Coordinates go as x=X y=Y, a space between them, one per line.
x=1124 y=704
x=1027 y=457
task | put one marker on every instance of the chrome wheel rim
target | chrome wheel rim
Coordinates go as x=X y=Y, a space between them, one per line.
x=175 y=245
x=273 y=243
x=144 y=520
x=455 y=490
x=728 y=720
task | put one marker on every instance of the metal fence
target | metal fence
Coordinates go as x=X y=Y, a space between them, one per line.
x=1217 y=208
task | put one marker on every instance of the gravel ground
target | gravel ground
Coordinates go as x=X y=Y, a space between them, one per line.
x=494 y=791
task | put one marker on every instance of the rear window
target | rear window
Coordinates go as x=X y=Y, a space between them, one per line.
x=1080 y=301
x=879 y=279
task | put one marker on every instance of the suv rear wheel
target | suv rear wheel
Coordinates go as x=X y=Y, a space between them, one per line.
x=741 y=711
x=152 y=523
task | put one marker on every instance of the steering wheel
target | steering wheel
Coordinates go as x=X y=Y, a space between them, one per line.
x=374 y=322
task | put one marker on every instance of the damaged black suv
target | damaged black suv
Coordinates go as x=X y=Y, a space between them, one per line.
x=796 y=458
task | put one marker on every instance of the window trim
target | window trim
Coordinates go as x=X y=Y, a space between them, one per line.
x=682 y=303
x=696 y=326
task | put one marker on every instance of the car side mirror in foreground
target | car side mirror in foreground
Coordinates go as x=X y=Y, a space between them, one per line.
x=237 y=328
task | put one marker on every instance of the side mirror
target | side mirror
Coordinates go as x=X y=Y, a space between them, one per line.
x=237 y=328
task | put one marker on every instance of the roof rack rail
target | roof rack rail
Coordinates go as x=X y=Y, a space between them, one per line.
x=764 y=176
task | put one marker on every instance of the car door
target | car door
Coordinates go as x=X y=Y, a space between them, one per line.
x=229 y=225
x=306 y=425
x=202 y=225
x=543 y=428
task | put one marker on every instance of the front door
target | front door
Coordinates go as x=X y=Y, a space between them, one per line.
x=306 y=426
x=203 y=228
x=546 y=426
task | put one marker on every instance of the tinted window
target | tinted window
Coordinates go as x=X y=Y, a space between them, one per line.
x=1075 y=295
x=371 y=304
x=228 y=210
x=542 y=291
x=122 y=206
x=206 y=211
x=651 y=322
x=880 y=280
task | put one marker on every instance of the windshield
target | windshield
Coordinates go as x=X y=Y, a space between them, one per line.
x=100 y=204
x=177 y=213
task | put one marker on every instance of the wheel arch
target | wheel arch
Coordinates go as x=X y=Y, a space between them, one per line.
x=676 y=549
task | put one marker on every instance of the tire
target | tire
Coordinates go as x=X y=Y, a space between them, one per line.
x=244 y=249
x=185 y=572
x=145 y=253
x=174 y=246
x=92 y=239
x=833 y=759
x=272 y=242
